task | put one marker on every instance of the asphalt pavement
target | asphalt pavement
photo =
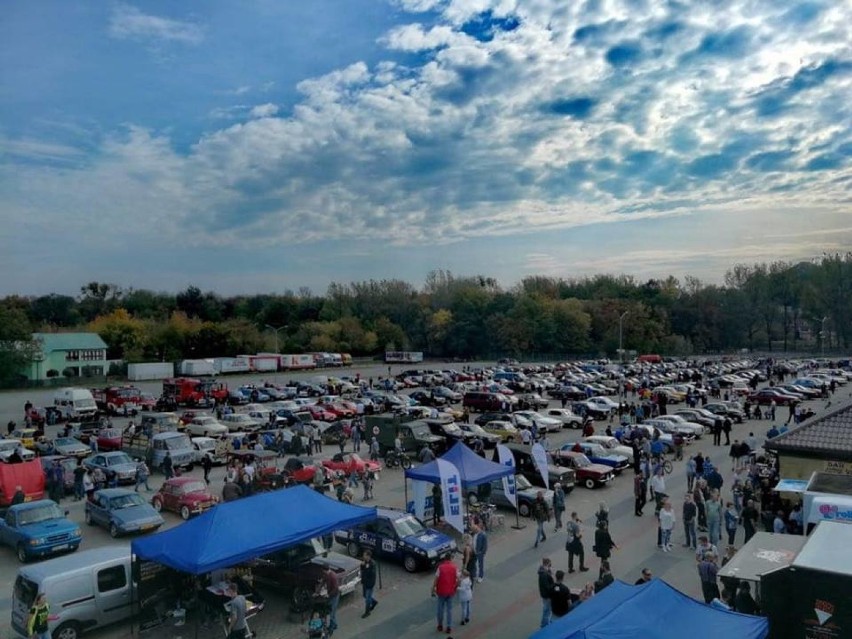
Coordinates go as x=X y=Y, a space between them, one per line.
x=506 y=603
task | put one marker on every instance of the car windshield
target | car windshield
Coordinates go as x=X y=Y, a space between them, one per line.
x=67 y=441
x=452 y=428
x=522 y=483
x=407 y=526
x=117 y=460
x=126 y=501
x=42 y=513
x=597 y=451
x=177 y=443
x=581 y=461
x=193 y=487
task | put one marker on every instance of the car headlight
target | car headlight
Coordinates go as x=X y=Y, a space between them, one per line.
x=37 y=542
x=77 y=533
x=431 y=553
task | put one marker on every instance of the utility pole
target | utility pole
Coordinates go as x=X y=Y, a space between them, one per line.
x=621 y=335
x=275 y=331
x=822 y=336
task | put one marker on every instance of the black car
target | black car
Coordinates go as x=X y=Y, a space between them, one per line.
x=427 y=398
x=525 y=465
x=484 y=418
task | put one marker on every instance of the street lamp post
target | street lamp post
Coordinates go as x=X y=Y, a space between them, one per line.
x=621 y=334
x=276 y=330
x=822 y=336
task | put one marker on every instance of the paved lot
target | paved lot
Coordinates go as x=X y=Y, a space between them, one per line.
x=506 y=604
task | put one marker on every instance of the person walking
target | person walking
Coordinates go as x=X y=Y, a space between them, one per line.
x=640 y=492
x=560 y=597
x=168 y=466
x=468 y=553
x=690 y=473
x=480 y=546
x=332 y=586
x=658 y=490
x=38 y=618
x=558 y=505
x=690 y=512
x=545 y=588
x=356 y=435
x=237 y=627
x=142 y=475
x=574 y=545
x=206 y=466
x=603 y=542
x=444 y=587
x=541 y=515
x=465 y=596
x=731 y=522
x=667 y=523
x=368 y=582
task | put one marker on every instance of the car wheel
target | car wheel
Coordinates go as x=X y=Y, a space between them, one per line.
x=89 y=519
x=68 y=630
x=524 y=509
x=113 y=531
x=472 y=499
x=184 y=512
x=353 y=549
x=589 y=483
x=22 y=553
x=157 y=504
x=409 y=562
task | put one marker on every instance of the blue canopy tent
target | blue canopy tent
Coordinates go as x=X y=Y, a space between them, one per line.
x=473 y=469
x=652 y=611
x=240 y=530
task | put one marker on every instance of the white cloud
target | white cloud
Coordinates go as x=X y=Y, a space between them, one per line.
x=129 y=23
x=264 y=110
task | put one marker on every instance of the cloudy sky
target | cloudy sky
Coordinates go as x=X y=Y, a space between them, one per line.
x=265 y=144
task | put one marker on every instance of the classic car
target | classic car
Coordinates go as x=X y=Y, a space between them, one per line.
x=184 y=495
x=588 y=474
x=597 y=454
x=113 y=463
x=348 y=463
x=122 y=511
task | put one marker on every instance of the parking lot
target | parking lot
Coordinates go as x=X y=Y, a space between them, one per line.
x=506 y=604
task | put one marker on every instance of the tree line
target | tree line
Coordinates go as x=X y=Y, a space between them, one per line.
x=774 y=306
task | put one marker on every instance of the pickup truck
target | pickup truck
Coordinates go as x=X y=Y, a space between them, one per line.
x=37 y=529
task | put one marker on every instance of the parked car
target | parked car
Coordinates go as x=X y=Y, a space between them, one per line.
x=768 y=395
x=215 y=449
x=525 y=493
x=397 y=536
x=525 y=465
x=114 y=463
x=567 y=418
x=725 y=410
x=534 y=400
x=206 y=426
x=492 y=416
x=300 y=469
x=9 y=446
x=122 y=511
x=588 y=474
x=543 y=423
x=489 y=440
x=505 y=430
x=297 y=569
x=611 y=444
x=597 y=454
x=240 y=422
x=108 y=439
x=697 y=415
x=38 y=529
x=677 y=424
x=348 y=463
x=69 y=447
x=184 y=495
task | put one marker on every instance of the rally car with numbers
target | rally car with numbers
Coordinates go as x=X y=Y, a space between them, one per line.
x=397 y=536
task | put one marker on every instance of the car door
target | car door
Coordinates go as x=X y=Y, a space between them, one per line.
x=366 y=537
x=98 y=510
x=390 y=546
x=112 y=592
x=170 y=497
x=7 y=529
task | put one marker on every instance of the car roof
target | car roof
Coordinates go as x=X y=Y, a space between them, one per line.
x=29 y=505
x=115 y=492
x=80 y=559
x=392 y=513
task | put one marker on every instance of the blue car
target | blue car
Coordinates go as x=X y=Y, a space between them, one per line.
x=122 y=511
x=398 y=536
x=38 y=529
x=597 y=454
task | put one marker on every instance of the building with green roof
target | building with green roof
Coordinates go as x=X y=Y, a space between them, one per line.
x=59 y=355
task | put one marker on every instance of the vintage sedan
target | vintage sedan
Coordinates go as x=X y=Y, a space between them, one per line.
x=115 y=463
x=611 y=444
x=525 y=493
x=597 y=454
x=206 y=426
x=566 y=417
x=122 y=511
x=505 y=430
x=109 y=439
x=184 y=495
x=70 y=447
x=348 y=463
x=588 y=474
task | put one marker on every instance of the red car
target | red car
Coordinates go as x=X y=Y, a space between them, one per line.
x=184 y=495
x=320 y=413
x=349 y=463
x=109 y=439
x=301 y=470
x=766 y=395
x=188 y=416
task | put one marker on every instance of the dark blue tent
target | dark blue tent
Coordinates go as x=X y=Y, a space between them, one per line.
x=652 y=611
x=474 y=470
x=237 y=531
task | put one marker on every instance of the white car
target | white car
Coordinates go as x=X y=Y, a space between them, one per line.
x=548 y=424
x=9 y=446
x=206 y=426
x=611 y=444
x=209 y=447
x=684 y=425
x=602 y=403
x=240 y=422
x=565 y=416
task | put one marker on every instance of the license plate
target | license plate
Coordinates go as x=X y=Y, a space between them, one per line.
x=147 y=526
x=61 y=547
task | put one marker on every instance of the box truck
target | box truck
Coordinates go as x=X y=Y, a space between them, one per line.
x=151 y=370
x=227 y=365
x=197 y=367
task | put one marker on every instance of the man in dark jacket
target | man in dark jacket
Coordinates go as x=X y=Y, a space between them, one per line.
x=560 y=597
x=750 y=517
x=368 y=582
x=545 y=588
x=540 y=512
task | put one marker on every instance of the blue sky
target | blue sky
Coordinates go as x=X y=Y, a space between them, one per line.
x=263 y=145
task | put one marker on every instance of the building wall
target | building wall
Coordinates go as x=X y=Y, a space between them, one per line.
x=802 y=467
x=57 y=360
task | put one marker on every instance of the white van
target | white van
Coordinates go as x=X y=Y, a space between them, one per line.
x=75 y=402
x=89 y=589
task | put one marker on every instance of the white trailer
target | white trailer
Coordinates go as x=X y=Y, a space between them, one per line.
x=152 y=370
x=197 y=367
x=226 y=365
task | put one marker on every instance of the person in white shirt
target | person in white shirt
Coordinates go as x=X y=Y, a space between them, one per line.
x=526 y=436
x=667 y=523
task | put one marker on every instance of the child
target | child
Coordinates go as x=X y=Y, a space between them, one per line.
x=465 y=596
x=316 y=627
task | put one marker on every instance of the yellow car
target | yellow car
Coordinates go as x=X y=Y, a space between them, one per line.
x=27 y=436
x=506 y=431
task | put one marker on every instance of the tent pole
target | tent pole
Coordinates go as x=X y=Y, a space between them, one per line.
x=405 y=484
x=518 y=525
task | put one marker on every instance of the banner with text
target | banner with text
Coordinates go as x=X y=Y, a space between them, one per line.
x=508 y=459
x=420 y=504
x=451 y=487
x=539 y=456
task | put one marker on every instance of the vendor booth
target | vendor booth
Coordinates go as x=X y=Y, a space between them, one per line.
x=173 y=564
x=652 y=611
x=828 y=497
x=762 y=554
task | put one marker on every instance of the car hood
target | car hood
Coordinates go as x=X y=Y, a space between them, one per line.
x=596 y=468
x=72 y=450
x=142 y=514
x=615 y=459
x=50 y=527
x=430 y=539
x=337 y=561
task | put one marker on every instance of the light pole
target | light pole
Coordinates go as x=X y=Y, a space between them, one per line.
x=822 y=336
x=621 y=335
x=276 y=330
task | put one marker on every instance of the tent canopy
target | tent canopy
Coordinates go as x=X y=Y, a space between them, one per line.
x=240 y=530
x=473 y=469
x=652 y=611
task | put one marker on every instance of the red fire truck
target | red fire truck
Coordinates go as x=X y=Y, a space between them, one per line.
x=189 y=391
x=116 y=400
